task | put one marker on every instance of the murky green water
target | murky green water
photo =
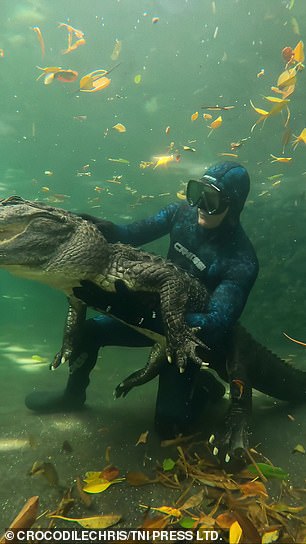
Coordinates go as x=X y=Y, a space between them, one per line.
x=55 y=146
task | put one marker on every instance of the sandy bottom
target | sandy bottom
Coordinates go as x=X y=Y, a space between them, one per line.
x=108 y=424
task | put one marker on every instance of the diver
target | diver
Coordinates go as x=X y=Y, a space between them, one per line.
x=206 y=240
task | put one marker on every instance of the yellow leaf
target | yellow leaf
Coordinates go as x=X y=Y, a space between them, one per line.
x=269 y=537
x=165 y=510
x=181 y=195
x=280 y=159
x=276 y=99
x=298 y=52
x=163 y=160
x=119 y=127
x=216 y=123
x=287 y=78
x=195 y=116
x=96 y=522
x=99 y=485
x=235 y=533
x=259 y=110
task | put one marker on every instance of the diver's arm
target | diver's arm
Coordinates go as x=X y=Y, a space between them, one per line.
x=226 y=303
x=138 y=232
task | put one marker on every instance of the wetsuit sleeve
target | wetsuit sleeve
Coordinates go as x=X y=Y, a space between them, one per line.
x=226 y=303
x=146 y=230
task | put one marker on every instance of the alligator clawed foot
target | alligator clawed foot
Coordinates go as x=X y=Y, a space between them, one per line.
x=182 y=348
x=121 y=390
x=58 y=360
x=231 y=446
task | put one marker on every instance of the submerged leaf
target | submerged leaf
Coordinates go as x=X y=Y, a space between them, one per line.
x=98 y=486
x=138 y=478
x=269 y=537
x=188 y=523
x=142 y=438
x=96 y=522
x=253 y=489
x=175 y=512
x=225 y=520
x=168 y=464
x=269 y=471
x=235 y=533
x=193 y=501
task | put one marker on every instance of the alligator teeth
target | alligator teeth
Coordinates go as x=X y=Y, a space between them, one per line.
x=211 y=439
x=227 y=458
x=215 y=451
x=169 y=359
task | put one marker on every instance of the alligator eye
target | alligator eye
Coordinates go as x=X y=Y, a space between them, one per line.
x=12 y=200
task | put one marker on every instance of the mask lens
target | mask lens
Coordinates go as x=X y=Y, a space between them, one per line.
x=194 y=192
x=205 y=195
x=210 y=201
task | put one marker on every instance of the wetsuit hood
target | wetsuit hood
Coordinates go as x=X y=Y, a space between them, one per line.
x=234 y=182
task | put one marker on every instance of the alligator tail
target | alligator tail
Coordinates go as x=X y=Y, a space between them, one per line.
x=269 y=373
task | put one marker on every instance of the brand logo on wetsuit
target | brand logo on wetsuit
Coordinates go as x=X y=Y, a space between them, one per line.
x=189 y=255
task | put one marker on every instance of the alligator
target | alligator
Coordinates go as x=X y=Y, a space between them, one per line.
x=64 y=251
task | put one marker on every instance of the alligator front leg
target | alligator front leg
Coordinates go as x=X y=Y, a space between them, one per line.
x=74 y=321
x=155 y=276
x=182 y=340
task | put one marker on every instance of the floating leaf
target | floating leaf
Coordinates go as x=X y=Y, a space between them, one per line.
x=299 y=448
x=168 y=464
x=119 y=127
x=194 y=116
x=143 y=438
x=137 y=79
x=269 y=471
x=235 y=533
x=96 y=522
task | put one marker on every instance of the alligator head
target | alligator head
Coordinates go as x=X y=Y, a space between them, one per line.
x=47 y=244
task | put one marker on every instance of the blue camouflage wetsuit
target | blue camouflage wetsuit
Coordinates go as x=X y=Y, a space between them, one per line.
x=223 y=258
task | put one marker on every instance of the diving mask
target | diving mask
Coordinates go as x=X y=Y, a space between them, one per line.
x=206 y=195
